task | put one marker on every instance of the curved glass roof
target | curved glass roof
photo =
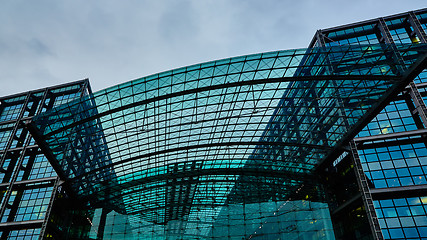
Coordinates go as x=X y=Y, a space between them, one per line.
x=243 y=129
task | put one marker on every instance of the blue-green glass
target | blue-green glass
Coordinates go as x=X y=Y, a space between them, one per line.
x=224 y=149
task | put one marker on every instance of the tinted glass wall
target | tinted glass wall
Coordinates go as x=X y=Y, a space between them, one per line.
x=28 y=182
x=391 y=147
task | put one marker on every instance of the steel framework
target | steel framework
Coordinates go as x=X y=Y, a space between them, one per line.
x=182 y=150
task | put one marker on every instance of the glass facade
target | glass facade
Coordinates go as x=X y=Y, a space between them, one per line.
x=403 y=218
x=391 y=147
x=27 y=180
x=225 y=149
x=291 y=144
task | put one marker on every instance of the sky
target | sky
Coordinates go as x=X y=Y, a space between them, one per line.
x=48 y=42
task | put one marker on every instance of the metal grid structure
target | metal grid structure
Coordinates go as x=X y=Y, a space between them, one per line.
x=28 y=182
x=392 y=147
x=225 y=149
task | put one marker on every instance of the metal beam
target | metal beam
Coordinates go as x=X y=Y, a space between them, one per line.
x=419 y=132
x=398 y=192
x=7 y=226
x=31 y=181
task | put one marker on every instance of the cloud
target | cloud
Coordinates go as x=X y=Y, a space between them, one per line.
x=51 y=42
x=178 y=23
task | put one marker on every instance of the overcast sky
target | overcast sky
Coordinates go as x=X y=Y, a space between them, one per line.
x=49 y=42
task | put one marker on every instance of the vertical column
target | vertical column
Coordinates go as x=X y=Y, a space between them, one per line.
x=416 y=25
x=362 y=181
x=49 y=208
x=420 y=107
x=102 y=222
x=385 y=32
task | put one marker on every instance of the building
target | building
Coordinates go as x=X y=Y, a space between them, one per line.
x=291 y=144
x=28 y=182
x=392 y=147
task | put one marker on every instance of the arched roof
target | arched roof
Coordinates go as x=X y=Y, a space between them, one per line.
x=248 y=128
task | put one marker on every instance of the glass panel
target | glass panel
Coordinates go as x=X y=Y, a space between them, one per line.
x=225 y=149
